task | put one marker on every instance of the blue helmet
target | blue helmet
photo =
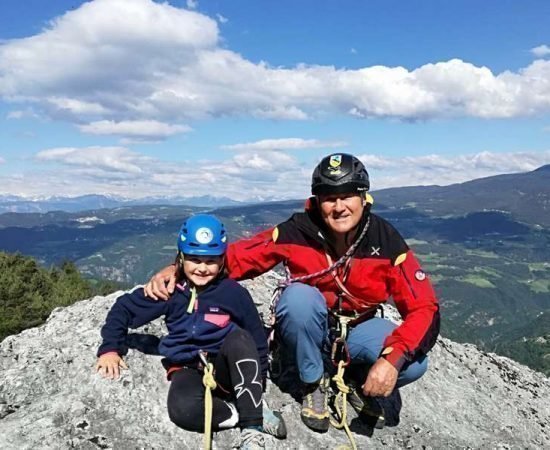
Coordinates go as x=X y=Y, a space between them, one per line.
x=202 y=234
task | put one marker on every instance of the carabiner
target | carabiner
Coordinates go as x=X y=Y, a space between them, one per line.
x=340 y=352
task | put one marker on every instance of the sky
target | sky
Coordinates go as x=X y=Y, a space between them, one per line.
x=241 y=98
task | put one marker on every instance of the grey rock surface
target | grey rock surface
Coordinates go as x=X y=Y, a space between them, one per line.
x=50 y=397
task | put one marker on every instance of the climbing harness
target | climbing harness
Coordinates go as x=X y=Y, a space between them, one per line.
x=344 y=259
x=339 y=353
x=209 y=384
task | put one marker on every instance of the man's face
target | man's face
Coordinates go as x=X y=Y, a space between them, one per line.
x=341 y=212
x=201 y=270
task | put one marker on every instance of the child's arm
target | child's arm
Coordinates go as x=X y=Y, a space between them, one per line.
x=130 y=310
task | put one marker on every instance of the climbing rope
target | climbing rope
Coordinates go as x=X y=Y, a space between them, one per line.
x=341 y=405
x=209 y=384
x=332 y=267
x=339 y=377
x=340 y=262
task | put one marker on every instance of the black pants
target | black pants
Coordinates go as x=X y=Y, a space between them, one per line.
x=237 y=372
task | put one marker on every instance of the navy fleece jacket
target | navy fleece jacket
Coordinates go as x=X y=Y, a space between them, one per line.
x=220 y=308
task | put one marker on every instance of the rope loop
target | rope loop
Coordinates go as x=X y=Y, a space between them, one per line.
x=209 y=384
x=340 y=262
x=341 y=405
x=289 y=280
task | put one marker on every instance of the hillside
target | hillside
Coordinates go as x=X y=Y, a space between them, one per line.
x=468 y=399
x=489 y=263
x=28 y=292
x=526 y=196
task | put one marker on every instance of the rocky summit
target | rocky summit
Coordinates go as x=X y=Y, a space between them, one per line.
x=51 y=398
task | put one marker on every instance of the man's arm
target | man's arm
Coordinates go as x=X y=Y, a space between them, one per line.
x=249 y=258
x=416 y=301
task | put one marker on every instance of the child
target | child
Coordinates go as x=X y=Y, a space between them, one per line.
x=209 y=314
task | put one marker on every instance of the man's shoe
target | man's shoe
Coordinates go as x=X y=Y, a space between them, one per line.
x=368 y=408
x=274 y=423
x=392 y=408
x=250 y=439
x=315 y=413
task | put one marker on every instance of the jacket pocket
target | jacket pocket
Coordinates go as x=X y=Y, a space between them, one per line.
x=221 y=320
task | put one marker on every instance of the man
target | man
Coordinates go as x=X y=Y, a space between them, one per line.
x=344 y=262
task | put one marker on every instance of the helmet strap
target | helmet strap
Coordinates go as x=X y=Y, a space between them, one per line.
x=179 y=266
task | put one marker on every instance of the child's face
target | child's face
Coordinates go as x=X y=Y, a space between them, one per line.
x=201 y=270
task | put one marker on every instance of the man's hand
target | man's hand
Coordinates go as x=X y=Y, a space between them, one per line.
x=108 y=365
x=162 y=284
x=381 y=379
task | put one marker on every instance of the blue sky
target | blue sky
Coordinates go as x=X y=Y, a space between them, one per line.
x=242 y=98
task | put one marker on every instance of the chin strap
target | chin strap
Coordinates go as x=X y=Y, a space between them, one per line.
x=192 y=300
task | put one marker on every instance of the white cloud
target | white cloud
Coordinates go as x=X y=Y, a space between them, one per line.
x=241 y=176
x=140 y=60
x=137 y=129
x=110 y=159
x=76 y=107
x=98 y=58
x=21 y=114
x=192 y=4
x=2 y=160
x=267 y=160
x=444 y=170
x=376 y=162
x=284 y=144
x=119 y=171
x=221 y=18
x=541 y=51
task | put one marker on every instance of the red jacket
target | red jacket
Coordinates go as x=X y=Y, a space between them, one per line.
x=382 y=266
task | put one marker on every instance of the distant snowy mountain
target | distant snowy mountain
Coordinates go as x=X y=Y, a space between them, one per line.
x=13 y=203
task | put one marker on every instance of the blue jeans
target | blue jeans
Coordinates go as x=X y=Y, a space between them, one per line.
x=302 y=324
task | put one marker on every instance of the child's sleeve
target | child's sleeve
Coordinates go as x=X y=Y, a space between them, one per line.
x=131 y=310
x=251 y=322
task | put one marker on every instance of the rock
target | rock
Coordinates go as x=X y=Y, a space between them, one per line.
x=50 y=397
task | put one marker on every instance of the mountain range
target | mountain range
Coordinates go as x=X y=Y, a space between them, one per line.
x=17 y=204
x=484 y=243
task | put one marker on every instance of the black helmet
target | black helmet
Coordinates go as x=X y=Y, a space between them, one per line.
x=339 y=173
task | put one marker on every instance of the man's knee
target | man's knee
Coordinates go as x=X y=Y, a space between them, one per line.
x=300 y=302
x=413 y=371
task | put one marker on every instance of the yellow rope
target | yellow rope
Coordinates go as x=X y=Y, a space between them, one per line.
x=210 y=385
x=342 y=398
x=192 y=301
